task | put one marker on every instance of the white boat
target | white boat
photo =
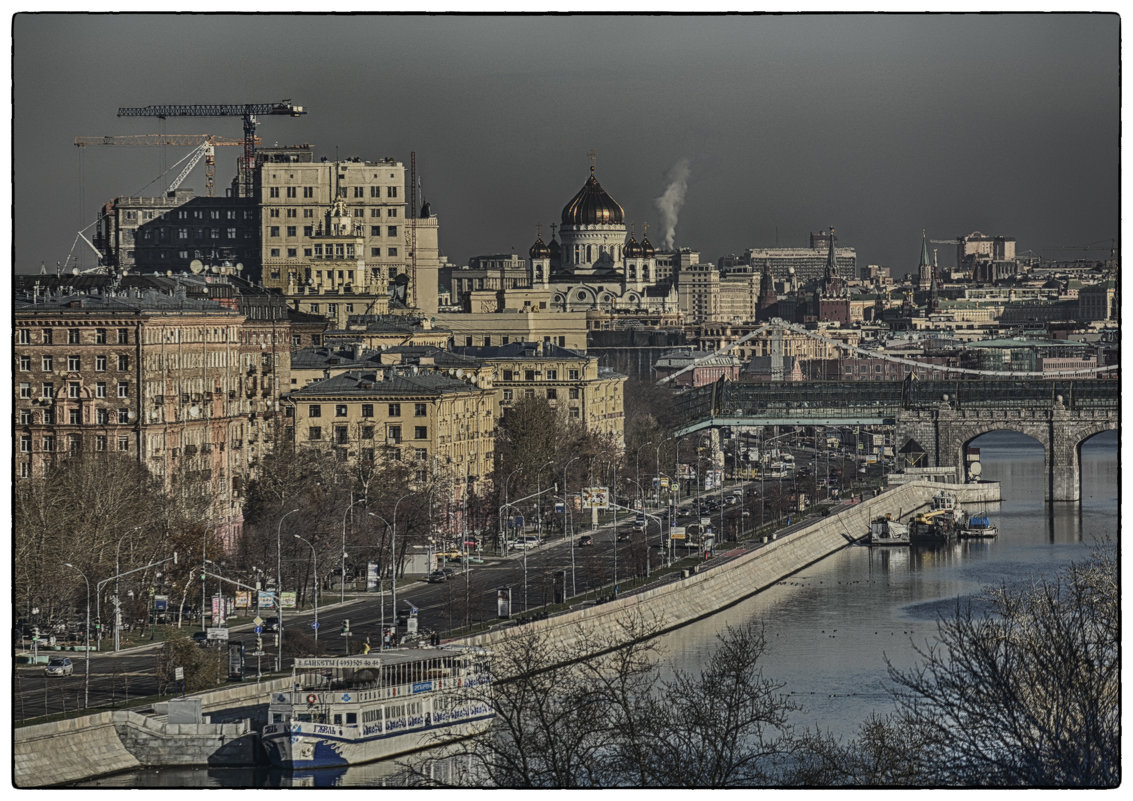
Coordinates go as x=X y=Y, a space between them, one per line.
x=979 y=527
x=887 y=531
x=356 y=709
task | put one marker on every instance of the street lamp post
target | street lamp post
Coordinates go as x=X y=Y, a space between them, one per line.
x=314 y=581
x=573 y=583
x=117 y=571
x=393 y=566
x=86 y=659
x=342 y=575
x=278 y=589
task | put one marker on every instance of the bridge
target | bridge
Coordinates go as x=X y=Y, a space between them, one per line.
x=935 y=418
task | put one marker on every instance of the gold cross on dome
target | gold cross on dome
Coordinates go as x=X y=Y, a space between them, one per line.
x=593 y=156
x=539 y=230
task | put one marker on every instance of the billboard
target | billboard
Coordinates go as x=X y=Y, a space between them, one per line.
x=266 y=600
x=596 y=498
x=287 y=600
x=243 y=599
x=373 y=581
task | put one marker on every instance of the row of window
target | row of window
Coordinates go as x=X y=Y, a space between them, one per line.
x=74 y=363
x=309 y=231
x=342 y=434
x=548 y=375
x=74 y=336
x=74 y=444
x=343 y=191
x=74 y=417
x=309 y=253
x=74 y=389
x=343 y=410
x=552 y=394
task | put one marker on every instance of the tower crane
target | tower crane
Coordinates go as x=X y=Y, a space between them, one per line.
x=248 y=111
x=204 y=144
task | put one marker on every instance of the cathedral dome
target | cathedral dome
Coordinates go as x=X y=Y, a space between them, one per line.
x=555 y=248
x=647 y=248
x=539 y=250
x=632 y=249
x=592 y=206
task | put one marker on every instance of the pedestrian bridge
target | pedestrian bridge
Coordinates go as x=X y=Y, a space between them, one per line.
x=934 y=419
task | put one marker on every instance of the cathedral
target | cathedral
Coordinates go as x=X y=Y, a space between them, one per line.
x=598 y=264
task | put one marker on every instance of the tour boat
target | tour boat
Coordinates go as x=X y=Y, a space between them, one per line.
x=356 y=709
x=979 y=527
x=887 y=531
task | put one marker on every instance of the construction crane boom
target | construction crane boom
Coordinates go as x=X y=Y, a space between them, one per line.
x=248 y=111
x=172 y=140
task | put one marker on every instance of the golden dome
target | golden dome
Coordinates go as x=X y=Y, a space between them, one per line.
x=593 y=206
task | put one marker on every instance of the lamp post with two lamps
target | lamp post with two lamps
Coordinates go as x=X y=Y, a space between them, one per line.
x=279 y=587
x=314 y=581
x=86 y=658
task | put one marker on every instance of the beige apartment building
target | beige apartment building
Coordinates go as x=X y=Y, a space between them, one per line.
x=339 y=234
x=186 y=387
x=443 y=426
x=568 y=379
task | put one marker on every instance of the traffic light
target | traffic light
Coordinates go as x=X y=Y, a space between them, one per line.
x=346 y=627
x=259 y=643
x=35 y=633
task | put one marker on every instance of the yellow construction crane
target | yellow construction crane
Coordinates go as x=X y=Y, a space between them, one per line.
x=203 y=145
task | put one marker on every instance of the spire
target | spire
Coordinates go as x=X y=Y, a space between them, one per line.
x=924 y=250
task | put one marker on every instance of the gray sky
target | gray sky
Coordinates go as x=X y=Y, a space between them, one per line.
x=879 y=125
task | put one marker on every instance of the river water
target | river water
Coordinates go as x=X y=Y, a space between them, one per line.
x=831 y=627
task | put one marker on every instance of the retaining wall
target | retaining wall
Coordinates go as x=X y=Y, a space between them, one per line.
x=711 y=589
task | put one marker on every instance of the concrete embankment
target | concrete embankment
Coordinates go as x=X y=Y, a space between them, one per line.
x=72 y=750
x=711 y=589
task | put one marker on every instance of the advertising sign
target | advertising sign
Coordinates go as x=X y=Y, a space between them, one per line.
x=372 y=580
x=160 y=603
x=243 y=599
x=218 y=610
x=596 y=498
x=287 y=600
x=503 y=602
x=677 y=533
x=266 y=600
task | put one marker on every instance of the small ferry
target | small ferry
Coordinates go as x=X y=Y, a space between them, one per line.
x=978 y=527
x=356 y=709
x=940 y=524
x=887 y=531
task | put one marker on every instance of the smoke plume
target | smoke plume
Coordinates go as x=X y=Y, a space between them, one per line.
x=671 y=200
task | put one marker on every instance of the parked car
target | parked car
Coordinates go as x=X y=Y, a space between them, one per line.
x=271 y=624
x=58 y=666
x=201 y=638
x=437 y=577
x=525 y=542
x=585 y=540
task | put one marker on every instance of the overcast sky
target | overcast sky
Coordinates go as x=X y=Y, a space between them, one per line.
x=879 y=125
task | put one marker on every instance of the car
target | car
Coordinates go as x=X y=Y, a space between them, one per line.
x=437 y=577
x=201 y=638
x=585 y=540
x=623 y=536
x=525 y=542
x=58 y=666
x=271 y=624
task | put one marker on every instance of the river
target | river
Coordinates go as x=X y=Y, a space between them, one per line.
x=831 y=627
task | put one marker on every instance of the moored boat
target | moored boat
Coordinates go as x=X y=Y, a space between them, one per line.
x=350 y=710
x=978 y=527
x=940 y=524
x=887 y=531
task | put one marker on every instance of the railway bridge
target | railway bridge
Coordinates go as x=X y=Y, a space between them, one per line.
x=933 y=421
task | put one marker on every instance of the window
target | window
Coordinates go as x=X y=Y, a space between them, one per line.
x=314 y=410
x=420 y=409
x=47 y=363
x=273 y=191
x=391 y=230
x=552 y=393
x=375 y=230
x=25 y=469
x=340 y=410
x=100 y=442
x=308 y=191
x=291 y=191
x=49 y=443
x=23 y=337
x=123 y=416
x=100 y=364
x=552 y=375
x=509 y=375
x=340 y=437
x=74 y=443
x=100 y=389
x=73 y=389
x=375 y=191
x=48 y=390
x=421 y=454
x=273 y=212
x=74 y=417
x=393 y=434
x=529 y=393
x=25 y=417
x=123 y=336
x=315 y=433
x=367 y=410
x=25 y=389
x=528 y=375
x=123 y=444
x=25 y=363
x=420 y=432
x=102 y=417
x=49 y=417
x=292 y=253
x=25 y=443
x=275 y=253
x=273 y=231
x=292 y=230
x=73 y=364
x=100 y=336
x=391 y=251
x=574 y=412
x=47 y=338
x=359 y=191
x=574 y=393
x=367 y=432
x=572 y=375
x=391 y=191
x=395 y=410
x=375 y=252
x=507 y=396
x=123 y=362
x=123 y=389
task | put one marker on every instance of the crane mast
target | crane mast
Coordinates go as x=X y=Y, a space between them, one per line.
x=247 y=111
x=171 y=140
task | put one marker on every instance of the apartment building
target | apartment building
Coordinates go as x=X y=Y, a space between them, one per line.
x=185 y=386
